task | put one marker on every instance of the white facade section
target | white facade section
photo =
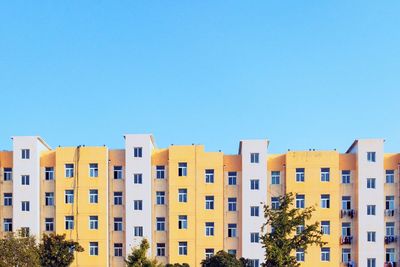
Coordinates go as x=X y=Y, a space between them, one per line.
x=138 y=163
x=367 y=168
x=28 y=193
x=253 y=197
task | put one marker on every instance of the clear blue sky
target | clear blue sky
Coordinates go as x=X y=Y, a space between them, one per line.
x=301 y=73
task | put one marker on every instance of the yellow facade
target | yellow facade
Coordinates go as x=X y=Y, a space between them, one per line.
x=94 y=222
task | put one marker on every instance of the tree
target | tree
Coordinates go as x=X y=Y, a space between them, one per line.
x=281 y=243
x=221 y=259
x=138 y=257
x=56 y=251
x=17 y=250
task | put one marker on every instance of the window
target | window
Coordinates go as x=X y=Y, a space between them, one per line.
x=254 y=157
x=300 y=255
x=232 y=176
x=254 y=263
x=160 y=224
x=326 y=227
x=93 y=170
x=299 y=229
x=25 y=153
x=371 y=210
x=93 y=196
x=160 y=198
x=209 y=202
x=325 y=175
x=209 y=252
x=49 y=224
x=118 y=249
x=7 y=199
x=390 y=229
x=371 y=183
x=255 y=184
x=49 y=198
x=254 y=237
x=275 y=177
x=160 y=173
x=209 y=176
x=69 y=196
x=371 y=262
x=390 y=176
x=275 y=203
x=299 y=174
x=7 y=174
x=325 y=254
x=138 y=231
x=182 y=248
x=138 y=205
x=69 y=170
x=25 y=179
x=346 y=202
x=93 y=248
x=389 y=205
x=93 y=222
x=182 y=169
x=232 y=252
x=390 y=255
x=8 y=225
x=160 y=249
x=346 y=255
x=232 y=228
x=25 y=231
x=254 y=211
x=371 y=156
x=182 y=222
x=209 y=228
x=371 y=236
x=345 y=177
x=25 y=206
x=69 y=222
x=118 y=224
x=325 y=201
x=137 y=152
x=137 y=178
x=232 y=204
x=346 y=229
x=117 y=198
x=118 y=172
x=300 y=201
x=49 y=173
x=182 y=195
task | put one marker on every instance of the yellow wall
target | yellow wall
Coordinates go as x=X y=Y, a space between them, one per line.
x=81 y=209
x=312 y=188
x=6 y=161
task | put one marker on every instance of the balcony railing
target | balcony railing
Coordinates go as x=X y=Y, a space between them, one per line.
x=349 y=264
x=346 y=239
x=390 y=264
x=390 y=239
x=350 y=213
x=389 y=212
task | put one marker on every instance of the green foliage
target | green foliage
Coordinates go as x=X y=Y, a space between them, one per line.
x=138 y=257
x=281 y=243
x=17 y=250
x=221 y=259
x=55 y=251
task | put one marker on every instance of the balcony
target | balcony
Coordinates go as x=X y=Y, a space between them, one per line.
x=390 y=239
x=349 y=264
x=390 y=264
x=389 y=212
x=346 y=240
x=349 y=213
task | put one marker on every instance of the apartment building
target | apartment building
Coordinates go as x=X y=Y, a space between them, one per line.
x=190 y=203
